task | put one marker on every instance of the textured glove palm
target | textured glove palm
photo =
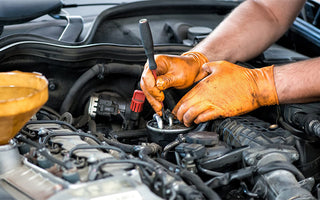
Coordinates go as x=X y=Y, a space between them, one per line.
x=173 y=71
x=228 y=90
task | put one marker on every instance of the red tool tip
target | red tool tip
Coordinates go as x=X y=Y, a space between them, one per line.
x=154 y=74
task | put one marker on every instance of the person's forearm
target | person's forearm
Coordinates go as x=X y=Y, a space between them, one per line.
x=249 y=29
x=298 y=82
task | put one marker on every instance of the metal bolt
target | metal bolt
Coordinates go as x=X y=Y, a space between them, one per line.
x=273 y=126
x=92 y=159
x=52 y=86
x=258 y=156
x=100 y=76
x=295 y=156
x=250 y=161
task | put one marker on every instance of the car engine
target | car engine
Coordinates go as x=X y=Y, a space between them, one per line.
x=98 y=138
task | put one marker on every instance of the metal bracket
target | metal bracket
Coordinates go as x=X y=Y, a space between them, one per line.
x=72 y=30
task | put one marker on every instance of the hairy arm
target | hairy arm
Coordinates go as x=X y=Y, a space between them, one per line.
x=298 y=82
x=253 y=27
x=250 y=29
x=245 y=33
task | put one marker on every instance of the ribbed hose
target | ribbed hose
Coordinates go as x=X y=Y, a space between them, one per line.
x=315 y=127
x=84 y=78
x=99 y=69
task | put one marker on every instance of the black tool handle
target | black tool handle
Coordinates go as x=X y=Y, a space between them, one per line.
x=147 y=42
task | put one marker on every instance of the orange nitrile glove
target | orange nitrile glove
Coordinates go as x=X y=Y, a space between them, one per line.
x=173 y=71
x=228 y=90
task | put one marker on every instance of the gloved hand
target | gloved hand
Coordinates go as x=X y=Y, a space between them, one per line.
x=228 y=90
x=172 y=71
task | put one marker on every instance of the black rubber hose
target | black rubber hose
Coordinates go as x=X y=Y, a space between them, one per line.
x=30 y=135
x=152 y=148
x=165 y=166
x=41 y=149
x=170 y=146
x=125 y=147
x=67 y=165
x=168 y=165
x=84 y=78
x=201 y=127
x=199 y=184
x=52 y=111
x=277 y=165
x=130 y=70
x=98 y=69
x=30 y=142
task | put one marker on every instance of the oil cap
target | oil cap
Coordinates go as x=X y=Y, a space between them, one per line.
x=197 y=31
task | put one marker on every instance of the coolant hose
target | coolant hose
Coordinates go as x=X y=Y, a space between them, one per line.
x=84 y=78
x=125 y=147
x=98 y=69
x=200 y=185
x=192 y=178
x=150 y=149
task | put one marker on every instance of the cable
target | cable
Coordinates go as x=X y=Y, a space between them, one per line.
x=30 y=135
x=209 y=172
x=47 y=115
x=43 y=151
x=124 y=120
x=97 y=147
x=199 y=184
x=48 y=109
x=168 y=165
x=201 y=127
x=92 y=126
x=180 y=139
x=125 y=147
x=168 y=147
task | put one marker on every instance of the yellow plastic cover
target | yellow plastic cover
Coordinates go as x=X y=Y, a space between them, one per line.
x=21 y=96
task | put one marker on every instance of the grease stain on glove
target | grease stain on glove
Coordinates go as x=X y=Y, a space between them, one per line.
x=173 y=71
x=228 y=90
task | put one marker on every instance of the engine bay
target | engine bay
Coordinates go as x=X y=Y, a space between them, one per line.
x=88 y=142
